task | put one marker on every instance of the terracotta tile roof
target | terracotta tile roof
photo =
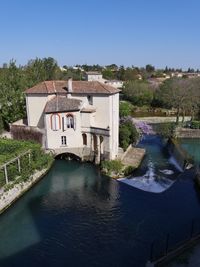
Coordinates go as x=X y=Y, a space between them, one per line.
x=61 y=104
x=83 y=87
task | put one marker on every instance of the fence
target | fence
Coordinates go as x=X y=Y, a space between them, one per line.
x=12 y=168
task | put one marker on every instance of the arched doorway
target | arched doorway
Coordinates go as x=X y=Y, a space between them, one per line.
x=84 y=136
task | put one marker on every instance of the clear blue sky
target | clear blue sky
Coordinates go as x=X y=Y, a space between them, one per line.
x=128 y=32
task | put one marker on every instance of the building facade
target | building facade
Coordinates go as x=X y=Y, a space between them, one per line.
x=76 y=117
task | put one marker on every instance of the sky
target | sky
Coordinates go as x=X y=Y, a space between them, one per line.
x=124 y=32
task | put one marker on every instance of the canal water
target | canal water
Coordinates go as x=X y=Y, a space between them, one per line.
x=192 y=146
x=77 y=217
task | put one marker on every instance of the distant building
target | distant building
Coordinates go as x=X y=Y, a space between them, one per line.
x=115 y=83
x=185 y=74
x=94 y=76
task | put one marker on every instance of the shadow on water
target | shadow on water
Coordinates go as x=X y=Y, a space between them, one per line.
x=77 y=217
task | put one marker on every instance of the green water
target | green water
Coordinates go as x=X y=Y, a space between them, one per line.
x=75 y=216
x=192 y=147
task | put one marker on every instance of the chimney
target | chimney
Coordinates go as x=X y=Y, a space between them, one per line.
x=69 y=85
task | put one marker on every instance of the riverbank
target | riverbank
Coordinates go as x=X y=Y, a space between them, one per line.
x=158 y=119
x=187 y=133
x=126 y=163
x=8 y=197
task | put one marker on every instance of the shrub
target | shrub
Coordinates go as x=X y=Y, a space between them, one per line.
x=10 y=149
x=128 y=170
x=23 y=133
x=1 y=124
x=195 y=124
x=112 y=166
x=128 y=134
x=125 y=109
x=166 y=130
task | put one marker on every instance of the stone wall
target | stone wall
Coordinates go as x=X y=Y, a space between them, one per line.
x=187 y=133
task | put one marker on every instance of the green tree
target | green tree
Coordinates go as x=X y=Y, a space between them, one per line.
x=108 y=74
x=131 y=74
x=150 y=68
x=12 y=84
x=181 y=94
x=38 y=70
x=138 y=93
x=125 y=109
x=127 y=134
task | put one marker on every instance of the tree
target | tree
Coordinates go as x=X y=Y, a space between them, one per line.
x=138 y=93
x=12 y=84
x=182 y=94
x=38 y=70
x=108 y=74
x=131 y=74
x=121 y=73
x=150 y=68
x=127 y=133
x=125 y=109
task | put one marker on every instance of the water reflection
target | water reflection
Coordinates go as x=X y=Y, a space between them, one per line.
x=78 y=189
x=77 y=217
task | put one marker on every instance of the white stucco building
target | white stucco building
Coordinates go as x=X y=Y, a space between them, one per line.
x=78 y=117
x=94 y=76
x=115 y=83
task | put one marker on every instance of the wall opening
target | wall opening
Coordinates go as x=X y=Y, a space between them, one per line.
x=84 y=136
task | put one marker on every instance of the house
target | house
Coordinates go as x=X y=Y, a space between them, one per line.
x=79 y=117
x=94 y=76
x=97 y=76
x=115 y=83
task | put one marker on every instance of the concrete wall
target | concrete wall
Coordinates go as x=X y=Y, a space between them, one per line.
x=187 y=133
x=74 y=136
x=35 y=105
x=91 y=77
x=115 y=125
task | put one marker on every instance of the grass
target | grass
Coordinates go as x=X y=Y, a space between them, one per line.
x=9 y=149
x=12 y=148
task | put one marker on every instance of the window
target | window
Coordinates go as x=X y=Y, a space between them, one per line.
x=90 y=99
x=70 y=121
x=63 y=140
x=55 y=122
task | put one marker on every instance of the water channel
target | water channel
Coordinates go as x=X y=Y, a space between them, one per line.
x=77 y=217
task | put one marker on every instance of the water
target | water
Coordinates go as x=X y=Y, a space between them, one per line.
x=192 y=146
x=77 y=217
x=159 y=169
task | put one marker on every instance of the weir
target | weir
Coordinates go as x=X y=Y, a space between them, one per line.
x=179 y=154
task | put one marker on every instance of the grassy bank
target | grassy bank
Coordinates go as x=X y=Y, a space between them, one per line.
x=36 y=160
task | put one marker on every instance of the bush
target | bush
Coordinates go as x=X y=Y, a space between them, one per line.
x=166 y=130
x=112 y=166
x=23 y=133
x=1 y=124
x=125 y=109
x=195 y=125
x=128 y=134
x=10 y=149
x=128 y=170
